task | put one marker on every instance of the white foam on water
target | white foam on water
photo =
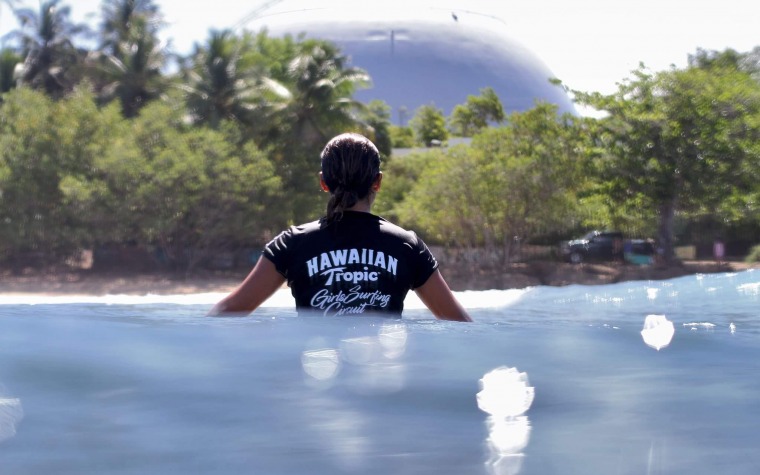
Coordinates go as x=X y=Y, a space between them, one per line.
x=752 y=288
x=475 y=299
x=696 y=325
x=281 y=299
x=11 y=413
x=652 y=293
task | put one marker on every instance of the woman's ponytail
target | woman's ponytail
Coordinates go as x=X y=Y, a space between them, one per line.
x=340 y=200
x=350 y=164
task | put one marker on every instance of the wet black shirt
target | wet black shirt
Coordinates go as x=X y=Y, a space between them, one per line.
x=359 y=264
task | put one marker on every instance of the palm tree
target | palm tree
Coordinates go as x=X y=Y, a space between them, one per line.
x=134 y=74
x=322 y=92
x=119 y=17
x=223 y=83
x=320 y=105
x=51 y=61
x=8 y=61
x=129 y=65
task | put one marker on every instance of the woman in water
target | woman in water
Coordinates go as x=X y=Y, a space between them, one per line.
x=350 y=262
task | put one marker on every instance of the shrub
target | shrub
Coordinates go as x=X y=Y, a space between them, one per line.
x=754 y=254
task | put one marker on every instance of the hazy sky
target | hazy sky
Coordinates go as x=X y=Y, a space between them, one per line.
x=589 y=44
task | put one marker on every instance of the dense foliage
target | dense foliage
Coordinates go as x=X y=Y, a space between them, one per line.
x=510 y=182
x=74 y=175
x=104 y=147
x=683 y=141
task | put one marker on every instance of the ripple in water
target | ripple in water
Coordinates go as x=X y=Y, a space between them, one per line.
x=11 y=414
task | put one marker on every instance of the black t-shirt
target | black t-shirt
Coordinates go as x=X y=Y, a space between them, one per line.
x=358 y=264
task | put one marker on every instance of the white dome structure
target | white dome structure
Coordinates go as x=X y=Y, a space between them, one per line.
x=419 y=54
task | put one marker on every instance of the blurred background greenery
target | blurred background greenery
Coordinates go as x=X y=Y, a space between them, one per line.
x=102 y=150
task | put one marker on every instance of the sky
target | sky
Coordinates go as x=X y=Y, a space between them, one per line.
x=590 y=45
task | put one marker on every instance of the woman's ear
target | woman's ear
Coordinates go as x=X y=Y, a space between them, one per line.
x=322 y=184
x=378 y=181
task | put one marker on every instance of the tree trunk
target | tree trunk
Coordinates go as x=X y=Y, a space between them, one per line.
x=665 y=229
x=506 y=251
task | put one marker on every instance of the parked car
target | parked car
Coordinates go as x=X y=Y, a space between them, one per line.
x=608 y=246
x=639 y=251
x=595 y=245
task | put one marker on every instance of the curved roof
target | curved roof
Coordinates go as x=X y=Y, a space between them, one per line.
x=418 y=54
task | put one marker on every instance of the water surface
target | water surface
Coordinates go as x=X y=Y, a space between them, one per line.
x=546 y=380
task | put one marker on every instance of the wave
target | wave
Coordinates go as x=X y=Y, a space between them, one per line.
x=281 y=299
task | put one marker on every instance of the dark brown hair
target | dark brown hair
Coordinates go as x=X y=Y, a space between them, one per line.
x=350 y=164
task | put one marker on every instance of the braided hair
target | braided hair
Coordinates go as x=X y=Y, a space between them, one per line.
x=350 y=164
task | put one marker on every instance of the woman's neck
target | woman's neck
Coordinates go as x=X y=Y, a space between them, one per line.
x=363 y=206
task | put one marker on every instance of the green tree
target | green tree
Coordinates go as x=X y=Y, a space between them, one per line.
x=321 y=105
x=29 y=176
x=377 y=117
x=444 y=201
x=52 y=63
x=129 y=65
x=679 y=140
x=533 y=174
x=8 y=61
x=518 y=180
x=477 y=113
x=322 y=87
x=190 y=190
x=88 y=136
x=429 y=125
x=402 y=136
x=461 y=121
x=120 y=17
x=240 y=205
x=225 y=81
x=48 y=153
x=291 y=95
x=709 y=59
x=738 y=215
x=399 y=177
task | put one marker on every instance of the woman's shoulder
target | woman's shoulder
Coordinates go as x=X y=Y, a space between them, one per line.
x=352 y=222
x=295 y=233
x=389 y=227
x=306 y=228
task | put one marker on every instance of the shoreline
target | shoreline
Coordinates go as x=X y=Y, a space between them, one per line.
x=70 y=282
x=559 y=274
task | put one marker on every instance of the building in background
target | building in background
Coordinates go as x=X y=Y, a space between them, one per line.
x=417 y=54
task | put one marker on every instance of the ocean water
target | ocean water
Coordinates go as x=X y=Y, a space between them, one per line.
x=659 y=377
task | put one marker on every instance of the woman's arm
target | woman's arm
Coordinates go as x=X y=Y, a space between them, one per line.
x=260 y=284
x=435 y=293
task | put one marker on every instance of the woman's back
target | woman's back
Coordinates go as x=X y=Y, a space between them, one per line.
x=351 y=261
x=359 y=264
